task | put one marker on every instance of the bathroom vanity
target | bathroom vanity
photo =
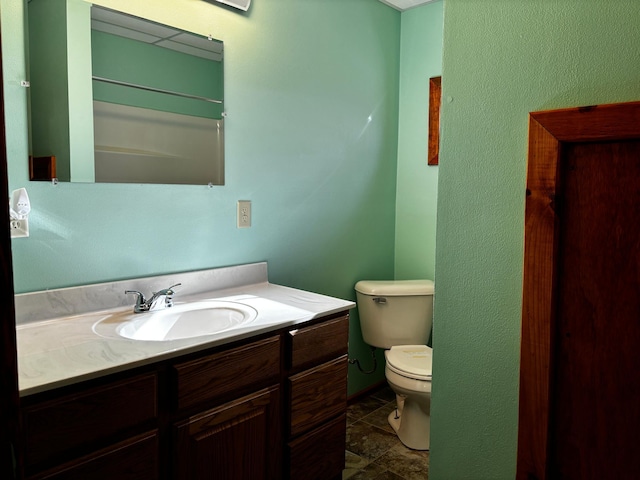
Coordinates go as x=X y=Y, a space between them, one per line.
x=264 y=401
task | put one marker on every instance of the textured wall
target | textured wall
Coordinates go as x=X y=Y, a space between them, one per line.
x=420 y=59
x=311 y=91
x=503 y=59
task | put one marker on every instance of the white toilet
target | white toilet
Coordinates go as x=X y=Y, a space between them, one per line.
x=397 y=316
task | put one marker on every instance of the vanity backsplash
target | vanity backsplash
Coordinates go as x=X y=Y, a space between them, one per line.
x=49 y=304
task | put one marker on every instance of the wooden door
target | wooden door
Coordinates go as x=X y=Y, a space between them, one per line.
x=580 y=357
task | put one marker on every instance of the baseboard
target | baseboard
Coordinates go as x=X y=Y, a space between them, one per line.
x=366 y=392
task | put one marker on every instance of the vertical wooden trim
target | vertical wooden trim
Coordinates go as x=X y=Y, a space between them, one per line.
x=435 y=94
x=541 y=229
x=9 y=398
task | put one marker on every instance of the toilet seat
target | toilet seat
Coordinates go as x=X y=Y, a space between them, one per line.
x=411 y=361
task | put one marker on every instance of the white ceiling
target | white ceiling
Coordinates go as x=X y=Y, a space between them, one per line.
x=405 y=4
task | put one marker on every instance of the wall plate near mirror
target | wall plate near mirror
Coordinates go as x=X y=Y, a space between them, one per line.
x=121 y=99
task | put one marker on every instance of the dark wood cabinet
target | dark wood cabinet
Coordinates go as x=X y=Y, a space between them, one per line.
x=235 y=441
x=239 y=439
x=83 y=421
x=319 y=454
x=317 y=395
x=317 y=400
x=133 y=459
x=272 y=407
x=312 y=345
x=228 y=373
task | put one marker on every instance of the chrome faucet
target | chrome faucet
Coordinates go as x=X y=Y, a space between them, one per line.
x=159 y=300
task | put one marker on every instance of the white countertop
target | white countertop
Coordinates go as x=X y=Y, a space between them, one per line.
x=64 y=350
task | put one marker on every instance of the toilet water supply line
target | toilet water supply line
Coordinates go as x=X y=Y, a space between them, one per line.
x=373 y=357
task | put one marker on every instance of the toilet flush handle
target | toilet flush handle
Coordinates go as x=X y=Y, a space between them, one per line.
x=379 y=300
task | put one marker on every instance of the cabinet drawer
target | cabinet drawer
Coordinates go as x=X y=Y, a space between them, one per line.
x=134 y=459
x=317 y=395
x=81 y=422
x=319 y=455
x=317 y=343
x=232 y=372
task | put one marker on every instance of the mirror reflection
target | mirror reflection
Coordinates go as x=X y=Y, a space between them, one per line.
x=117 y=98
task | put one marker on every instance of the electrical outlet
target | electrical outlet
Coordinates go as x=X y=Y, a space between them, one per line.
x=19 y=228
x=244 y=213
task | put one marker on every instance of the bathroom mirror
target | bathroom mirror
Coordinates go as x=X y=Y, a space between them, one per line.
x=120 y=99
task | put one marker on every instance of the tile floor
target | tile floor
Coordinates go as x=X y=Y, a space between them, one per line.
x=374 y=452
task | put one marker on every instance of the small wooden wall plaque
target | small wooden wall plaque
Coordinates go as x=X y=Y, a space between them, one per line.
x=435 y=94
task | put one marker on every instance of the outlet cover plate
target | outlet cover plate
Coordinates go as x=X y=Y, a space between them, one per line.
x=244 y=213
x=19 y=228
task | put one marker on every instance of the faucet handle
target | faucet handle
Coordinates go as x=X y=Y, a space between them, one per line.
x=166 y=291
x=140 y=300
x=169 y=291
x=168 y=299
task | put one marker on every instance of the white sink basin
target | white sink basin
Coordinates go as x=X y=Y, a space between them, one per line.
x=185 y=320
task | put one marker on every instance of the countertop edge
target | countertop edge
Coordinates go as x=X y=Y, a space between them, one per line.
x=45 y=369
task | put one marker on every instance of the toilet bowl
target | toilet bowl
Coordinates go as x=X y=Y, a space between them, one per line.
x=397 y=316
x=408 y=372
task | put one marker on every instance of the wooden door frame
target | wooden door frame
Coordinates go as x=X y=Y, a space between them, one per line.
x=548 y=131
x=9 y=397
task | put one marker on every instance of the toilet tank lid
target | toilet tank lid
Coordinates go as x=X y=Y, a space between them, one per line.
x=397 y=288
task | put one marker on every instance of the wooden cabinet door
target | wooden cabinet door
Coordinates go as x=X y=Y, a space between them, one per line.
x=133 y=459
x=240 y=440
x=77 y=424
x=319 y=454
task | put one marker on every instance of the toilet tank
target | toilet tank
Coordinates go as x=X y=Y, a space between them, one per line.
x=395 y=312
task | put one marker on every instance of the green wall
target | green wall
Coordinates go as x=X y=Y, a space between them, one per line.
x=311 y=92
x=503 y=59
x=420 y=59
